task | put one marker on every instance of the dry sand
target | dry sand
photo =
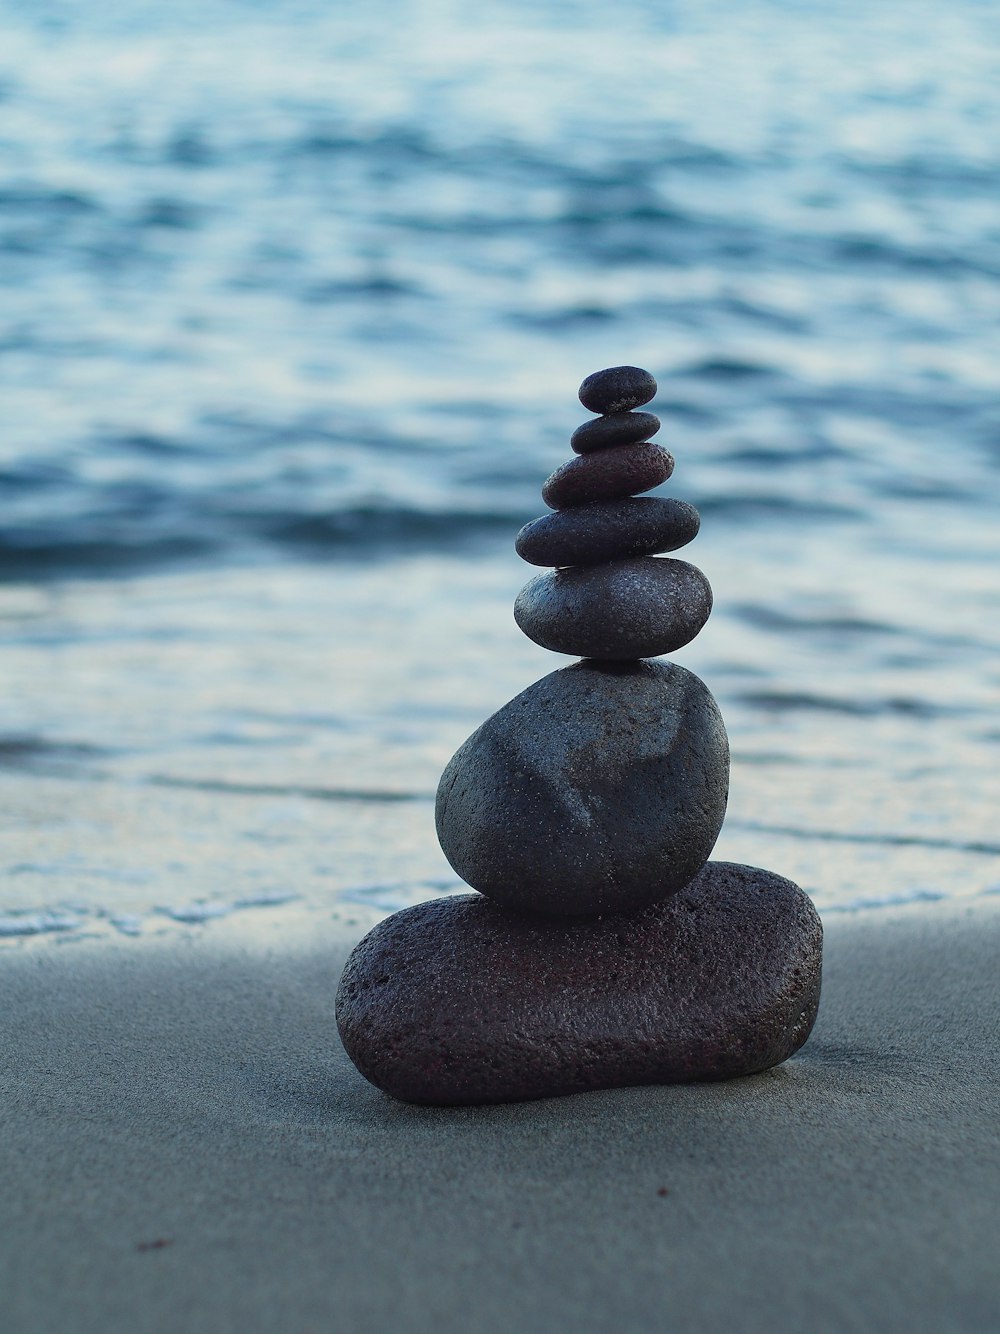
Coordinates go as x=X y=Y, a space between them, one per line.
x=186 y=1148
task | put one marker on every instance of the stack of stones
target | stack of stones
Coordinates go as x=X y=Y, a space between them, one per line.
x=603 y=948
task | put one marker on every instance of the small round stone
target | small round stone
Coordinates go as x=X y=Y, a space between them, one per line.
x=618 y=428
x=608 y=530
x=617 y=389
x=625 y=609
x=463 y=1001
x=607 y=474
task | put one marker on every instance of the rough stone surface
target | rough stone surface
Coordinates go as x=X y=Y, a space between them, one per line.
x=458 y=1001
x=619 y=428
x=625 y=609
x=617 y=389
x=607 y=474
x=600 y=788
x=608 y=530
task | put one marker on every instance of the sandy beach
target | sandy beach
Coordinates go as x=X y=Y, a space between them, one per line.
x=186 y=1147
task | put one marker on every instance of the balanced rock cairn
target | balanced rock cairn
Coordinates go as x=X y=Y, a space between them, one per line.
x=604 y=949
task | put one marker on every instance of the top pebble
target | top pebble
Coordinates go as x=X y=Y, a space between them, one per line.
x=618 y=389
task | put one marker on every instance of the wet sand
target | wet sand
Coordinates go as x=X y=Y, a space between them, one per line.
x=186 y=1148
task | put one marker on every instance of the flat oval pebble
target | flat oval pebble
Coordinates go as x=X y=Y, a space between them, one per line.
x=608 y=530
x=607 y=474
x=459 y=1001
x=620 y=428
x=624 y=609
x=600 y=788
x=617 y=389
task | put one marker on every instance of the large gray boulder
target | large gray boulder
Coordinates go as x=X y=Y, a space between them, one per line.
x=600 y=788
x=460 y=1001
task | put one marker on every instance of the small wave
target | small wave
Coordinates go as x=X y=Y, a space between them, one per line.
x=773 y=507
x=37 y=923
x=41 y=559
x=878 y=250
x=379 y=287
x=693 y=156
x=37 y=752
x=924 y=407
x=879 y=840
x=781 y=700
x=172 y=214
x=206 y=910
x=285 y=790
x=395 y=144
x=765 y=315
x=886 y=901
x=773 y=618
x=369 y=528
x=600 y=210
x=567 y=318
x=155 y=446
x=935 y=489
x=191 y=147
x=34 y=198
x=354 y=532
x=928 y=174
x=676 y=407
x=89 y=919
x=769 y=456
x=403 y=894
x=128 y=924
x=725 y=368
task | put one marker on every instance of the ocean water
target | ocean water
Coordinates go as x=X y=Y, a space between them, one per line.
x=294 y=302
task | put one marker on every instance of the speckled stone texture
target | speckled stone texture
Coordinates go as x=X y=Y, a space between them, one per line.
x=600 y=788
x=617 y=389
x=609 y=530
x=607 y=474
x=456 y=1001
x=619 y=428
x=626 y=609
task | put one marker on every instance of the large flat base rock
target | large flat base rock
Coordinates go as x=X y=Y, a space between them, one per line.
x=463 y=1001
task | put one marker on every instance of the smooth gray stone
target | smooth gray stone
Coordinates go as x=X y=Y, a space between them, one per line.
x=607 y=474
x=618 y=428
x=612 y=530
x=600 y=788
x=617 y=389
x=458 y=1001
x=625 y=609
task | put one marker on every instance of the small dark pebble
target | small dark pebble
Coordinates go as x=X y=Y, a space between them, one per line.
x=620 y=610
x=619 y=428
x=462 y=1001
x=607 y=474
x=608 y=530
x=156 y=1245
x=617 y=389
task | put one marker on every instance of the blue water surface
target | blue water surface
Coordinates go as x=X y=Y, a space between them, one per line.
x=294 y=301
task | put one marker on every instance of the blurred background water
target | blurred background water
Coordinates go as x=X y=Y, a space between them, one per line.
x=294 y=301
